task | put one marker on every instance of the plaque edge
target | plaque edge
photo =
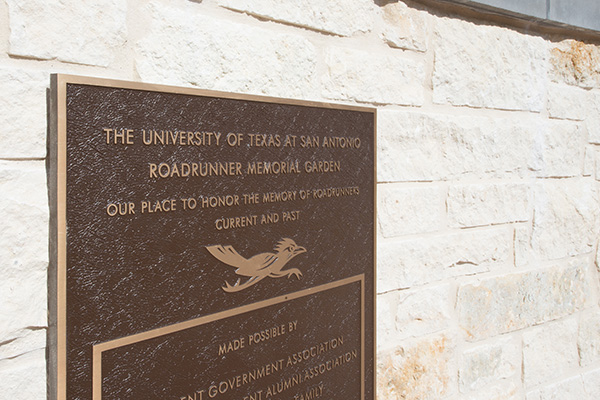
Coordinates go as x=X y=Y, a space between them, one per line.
x=186 y=90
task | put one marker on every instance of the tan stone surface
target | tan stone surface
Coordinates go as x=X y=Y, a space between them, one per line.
x=575 y=63
x=407 y=263
x=511 y=302
x=184 y=47
x=403 y=210
x=349 y=76
x=72 y=31
x=24 y=250
x=412 y=313
x=485 y=365
x=487 y=204
x=415 y=146
x=565 y=218
x=340 y=17
x=418 y=370
x=404 y=27
x=23 y=134
x=550 y=351
x=468 y=71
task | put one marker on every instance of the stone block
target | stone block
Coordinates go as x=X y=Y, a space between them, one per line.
x=75 y=31
x=571 y=388
x=339 y=17
x=185 y=48
x=468 y=71
x=24 y=377
x=388 y=78
x=418 y=370
x=485 y=365
x=487 y=204
x=575 y=63
x=591 y=383
x=23 y=113
x=406 y=263
x=567 y=102
x=404 y=27
x=589 y=338
x=549 y=351
x=24 y=250
x=566 y=218
x=412 y=313
x=511 y=302
x=562 y=147
x=420 y=147
x=405 y=210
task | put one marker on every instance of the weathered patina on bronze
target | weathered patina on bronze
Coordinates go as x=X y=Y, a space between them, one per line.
x=209 y=245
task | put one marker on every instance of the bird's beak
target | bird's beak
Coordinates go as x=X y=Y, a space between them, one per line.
x=299 y=250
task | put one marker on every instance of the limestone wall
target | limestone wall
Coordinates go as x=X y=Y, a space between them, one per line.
x=488 y=171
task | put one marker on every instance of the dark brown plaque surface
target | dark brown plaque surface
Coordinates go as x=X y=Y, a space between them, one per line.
x=209 y=245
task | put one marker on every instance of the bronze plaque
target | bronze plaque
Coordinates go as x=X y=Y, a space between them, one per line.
x=209 y=245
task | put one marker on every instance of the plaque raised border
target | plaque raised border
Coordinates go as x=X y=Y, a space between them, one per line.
x=57 y=177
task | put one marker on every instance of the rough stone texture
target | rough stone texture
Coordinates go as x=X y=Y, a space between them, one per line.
x=562 y=145
x=567 y=102
x=566 y=218
x=589 y=161
x=591 y=384
x=412 y=313
x=419 y=147
x=592 y=118
x=485 y=204
x=484 y=365
x=575 y=63
x=597 y=164
x=523 y=250
x=510 y=302
x=186 y=48
x=23 y=134
x=24 y=250
x=403 y=264
x=340 y=17
x=589 y=338
x=407 y=210
x=25 y=341
x=498 y=391
x=549 y=351
x=403 y=27
x=417 y=370
x=571 y=388
x=23 y=377
x=509 y=75
x=349 y=76
x=72 y=31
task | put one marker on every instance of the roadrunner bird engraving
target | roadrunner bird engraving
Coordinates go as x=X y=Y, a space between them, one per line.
x=259 y=266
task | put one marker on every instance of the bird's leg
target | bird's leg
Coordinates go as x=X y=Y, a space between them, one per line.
x=288 y=272
x=238 y=287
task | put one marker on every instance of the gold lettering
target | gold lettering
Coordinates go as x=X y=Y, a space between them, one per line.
x=164 y=170
x=322 y=166
x=235 y=222
x=118 y=136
